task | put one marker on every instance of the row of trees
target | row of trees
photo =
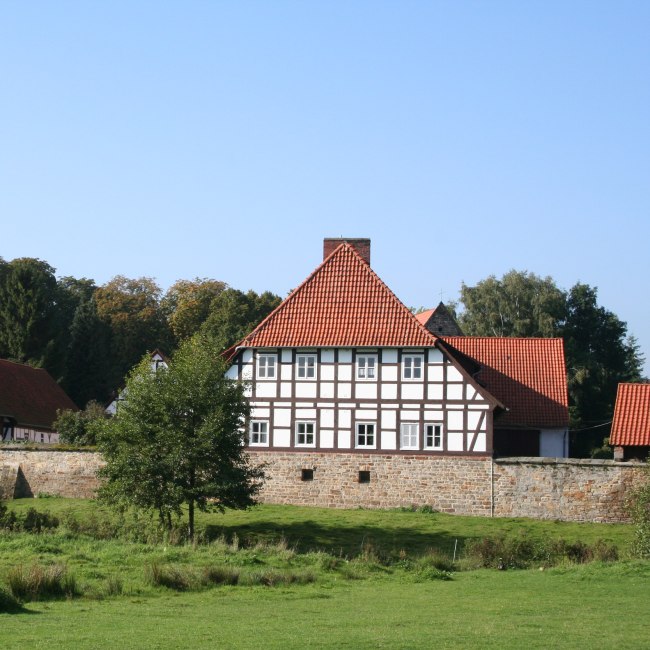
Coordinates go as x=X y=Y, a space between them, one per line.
x=88 y=337
x=599 y=352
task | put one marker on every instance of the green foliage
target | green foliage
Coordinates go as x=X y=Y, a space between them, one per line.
x=599 y=357
x=187 y=304
x=80 y=427
x=27 y=304
x=88 y=361
x=233 y=314
x=37 y=582
x=523 y=552
x=8 y=604
x=177 y=439
x=31 y=521
x=598 y=352
x=519 y=304
x=131 y=308
x=638 y=505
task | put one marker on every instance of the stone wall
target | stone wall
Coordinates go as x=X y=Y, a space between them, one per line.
x=44 y=471
x=542 y=488
x=567 y=489
x=448 y=484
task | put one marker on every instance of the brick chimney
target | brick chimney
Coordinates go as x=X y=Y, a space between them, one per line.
x=362 y=246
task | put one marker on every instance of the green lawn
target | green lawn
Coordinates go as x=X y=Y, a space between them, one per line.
x=354 y=601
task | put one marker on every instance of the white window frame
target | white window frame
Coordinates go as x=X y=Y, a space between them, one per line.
x=440 y=433
x=264 y=367
x=367 y=371
x=304 y=364
x=305 y=424
x=357 y=433
x=263 y=435
x=409 y=367
x=409 y=435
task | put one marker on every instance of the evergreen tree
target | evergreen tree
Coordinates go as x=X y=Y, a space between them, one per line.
x=87 y=362
x=27 y=307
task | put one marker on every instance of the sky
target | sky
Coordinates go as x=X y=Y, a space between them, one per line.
x=226 y=139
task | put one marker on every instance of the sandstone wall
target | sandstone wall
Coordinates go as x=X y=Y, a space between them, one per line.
x=542 y=488
x=61 y=473
x=448 y=484
x=563 y=488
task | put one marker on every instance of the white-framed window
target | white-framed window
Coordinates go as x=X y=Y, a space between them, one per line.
x=412 y=365
x=266 y=366
x=259 y=433
x=367 y=367
x=306 y=366
x=366 y=436
x=305 y=434
x=409 y=434
x=433 y=436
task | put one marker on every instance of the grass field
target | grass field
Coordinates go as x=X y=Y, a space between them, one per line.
x=363 y=579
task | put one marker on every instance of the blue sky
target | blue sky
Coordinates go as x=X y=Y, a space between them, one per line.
x=226 y=139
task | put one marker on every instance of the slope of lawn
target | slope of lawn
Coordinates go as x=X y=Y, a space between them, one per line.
x=317 y=578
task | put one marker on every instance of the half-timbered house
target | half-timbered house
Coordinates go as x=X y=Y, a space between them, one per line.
x=343 y=366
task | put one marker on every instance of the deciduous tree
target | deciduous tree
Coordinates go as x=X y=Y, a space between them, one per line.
x=131 y=308
x=177 y=439
x=187 y=304
x=233 y=314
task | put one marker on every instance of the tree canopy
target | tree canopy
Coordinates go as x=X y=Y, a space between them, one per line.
x=599 y=354
x=177 y=439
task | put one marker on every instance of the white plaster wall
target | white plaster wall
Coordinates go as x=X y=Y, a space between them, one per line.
x=455 y=441
x=366 y=390
x=412 y=391
x=282 y=437
x=266 y=389
x=327 y=438
x=306 y=389
x=282 y=417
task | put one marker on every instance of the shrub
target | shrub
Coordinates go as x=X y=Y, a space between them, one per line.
x=160 y=575
x=37 y=582
x=8 y=604
x=36 y=522
x=220 y=575
x=273 y=578
x=434 y=560
x=638 y=505
x=114 y=586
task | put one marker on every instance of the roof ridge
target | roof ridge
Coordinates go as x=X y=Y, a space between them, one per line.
x=21 y=364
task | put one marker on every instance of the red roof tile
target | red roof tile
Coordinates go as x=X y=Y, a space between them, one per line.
x=424 y=316
x=29 y=395
x=631 y=424
x=343 y=303
x=527 y=375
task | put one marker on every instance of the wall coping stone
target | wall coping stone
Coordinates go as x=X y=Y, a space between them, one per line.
x=587 y=462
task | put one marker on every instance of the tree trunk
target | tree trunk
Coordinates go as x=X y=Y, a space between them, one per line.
x=190 y=523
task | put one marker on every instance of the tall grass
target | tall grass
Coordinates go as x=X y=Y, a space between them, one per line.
x=36 y=582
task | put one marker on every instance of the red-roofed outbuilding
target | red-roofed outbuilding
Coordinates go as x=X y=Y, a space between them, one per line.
x=29 y=400
x=630 y=435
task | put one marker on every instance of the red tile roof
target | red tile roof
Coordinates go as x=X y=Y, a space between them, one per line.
x=527 y=375
x=631 y=424
x=29 y=395
x=343 y=303
x=424 y=316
